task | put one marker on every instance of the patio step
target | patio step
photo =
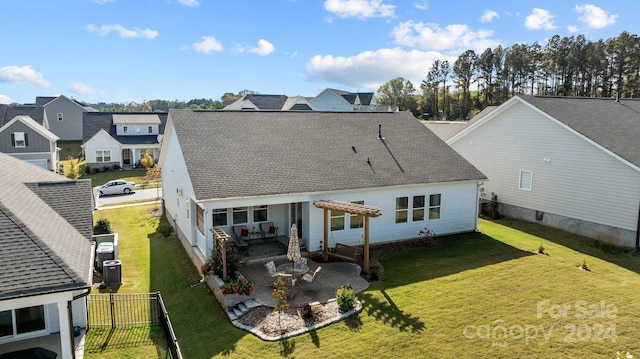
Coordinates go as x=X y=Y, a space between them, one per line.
x=231 y=314
x=242 y=308
x=252 y=303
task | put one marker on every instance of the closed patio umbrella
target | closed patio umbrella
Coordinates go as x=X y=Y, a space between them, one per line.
x=293 y=252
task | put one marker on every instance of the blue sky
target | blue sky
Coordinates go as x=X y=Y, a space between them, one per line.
x=136 y=50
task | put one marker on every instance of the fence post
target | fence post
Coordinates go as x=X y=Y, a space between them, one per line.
x=113 y=314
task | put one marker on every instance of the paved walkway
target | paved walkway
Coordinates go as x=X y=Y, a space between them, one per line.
x=331 y=277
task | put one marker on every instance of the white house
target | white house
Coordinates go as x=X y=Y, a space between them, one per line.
x=225 y=168
x=338 y=100
x=46 y=262
x=121 y=139
x=567 y=162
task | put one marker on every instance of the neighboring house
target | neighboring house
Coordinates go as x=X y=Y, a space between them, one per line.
x=566 y=162
x=260 y=102
x=343 y=101
x=37 y=113
x=24 y=138
x=46 y=262
x=226 y=168
x=121 y=138
x=446 y=129
x=64 y=116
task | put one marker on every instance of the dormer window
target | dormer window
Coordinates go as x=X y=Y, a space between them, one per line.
x=60 y=117
x=125 y=129
x=19 y=139
x=150 y=129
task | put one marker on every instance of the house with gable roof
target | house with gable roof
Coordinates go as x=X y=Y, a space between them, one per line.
x=24 y=138
x=64 y=116
x=566 y=162
x=228 y=168
x=338 y=100
x=46 y=263
x=121 y=138
x=270 y=102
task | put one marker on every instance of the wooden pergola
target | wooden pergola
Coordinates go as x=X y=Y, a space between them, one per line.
x=220 y=238
x=351 y=208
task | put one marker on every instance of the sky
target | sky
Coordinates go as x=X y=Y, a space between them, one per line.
x=136 y=50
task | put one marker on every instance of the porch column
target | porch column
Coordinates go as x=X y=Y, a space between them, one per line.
x=66 y=341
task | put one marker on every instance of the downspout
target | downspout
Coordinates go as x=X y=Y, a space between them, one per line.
x=478 y=184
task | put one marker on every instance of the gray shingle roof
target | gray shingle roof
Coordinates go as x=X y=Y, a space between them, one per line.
x=42 y=250
x=11 y=111
x=43 y=100
x=613 y=125
x=249 y=153
x=446 y=129
x=267 y=102
x=94 y=121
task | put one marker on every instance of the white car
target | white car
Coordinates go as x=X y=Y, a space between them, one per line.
x=116 y=187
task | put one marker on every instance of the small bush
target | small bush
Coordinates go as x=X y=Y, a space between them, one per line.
x=103 y=226
x=87 y=169
x=106 y=169
x=541 y=249
x=165 y=229
x=345 y=298
x=309 y=311
x=116 y=167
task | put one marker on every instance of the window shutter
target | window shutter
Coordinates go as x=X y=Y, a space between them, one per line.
x=26 y=140
x=13 y=140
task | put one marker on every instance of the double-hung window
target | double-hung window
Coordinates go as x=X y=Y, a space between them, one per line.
x=402 y=209
x=19 y=139
x=434 y=206
x=219 y=217
x=240 y=215
x=356 y=220
x=526 y=179
x=260 y=213
x=418 y=208
x=23 y=320
x=103 y=156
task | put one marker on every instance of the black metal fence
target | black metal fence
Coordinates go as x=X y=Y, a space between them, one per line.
x=132 y=309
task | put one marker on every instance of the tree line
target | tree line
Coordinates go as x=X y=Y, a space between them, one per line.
x=166 y=105
x=564 y=66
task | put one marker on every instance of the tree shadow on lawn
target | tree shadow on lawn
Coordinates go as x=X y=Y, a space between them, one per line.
x=389 y=313
x=592 y=247
x=453 y=254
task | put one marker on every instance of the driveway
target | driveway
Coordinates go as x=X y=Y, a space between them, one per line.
x=140 y=195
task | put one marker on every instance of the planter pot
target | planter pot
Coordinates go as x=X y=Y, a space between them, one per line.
x=229 y=300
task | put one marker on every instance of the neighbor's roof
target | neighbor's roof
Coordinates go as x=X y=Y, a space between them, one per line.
x=9 y=112
x=262 y=102
x=254 y=153
x=446 y=129
x=45 y=230
x=138 y=118
x=613 y=125
x=94 y=121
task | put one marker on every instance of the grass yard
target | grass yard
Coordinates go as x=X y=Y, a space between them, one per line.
x=480 y=295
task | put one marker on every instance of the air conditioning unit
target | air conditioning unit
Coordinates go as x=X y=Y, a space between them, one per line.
x=112 y=272
x=104 y=252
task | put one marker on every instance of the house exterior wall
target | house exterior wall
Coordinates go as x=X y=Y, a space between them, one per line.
x=572 y=177
x=102 y=141
x=37 y=142
x=70 y=128
x=327 y=101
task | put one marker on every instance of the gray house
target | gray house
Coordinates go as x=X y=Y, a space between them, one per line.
x=24 y=138
x=64 y=116
x=46 y=256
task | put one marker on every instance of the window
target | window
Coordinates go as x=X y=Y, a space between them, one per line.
x=240 y=215
x=337 y=220
x=418 y=208
x=19 y=139
x=260 y=213
x=150 y=129
x=60 y=117
x=434 y=206
x=21 y=321
x=103 y=156
x=137 y=129
x=526 y=178
x=200 y=218
x=219 y=217
x=356 y=220
x=125 y=129
x=402 y=209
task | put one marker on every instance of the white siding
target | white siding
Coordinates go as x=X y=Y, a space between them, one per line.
x=571 y=176
x=102 y=141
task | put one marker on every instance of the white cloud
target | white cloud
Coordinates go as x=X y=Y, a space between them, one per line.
x=264 y=48
x=488 y=16
x=81 y=89
x=594 y=17
x=361 y=9
x=207 y=45
x=189 y=2
x=371 y=69
x=123 y=32
x=421 y=4
x=539 y=19
x=454 y=37
x=572 y=29
x=5 y=100
x=23 y=75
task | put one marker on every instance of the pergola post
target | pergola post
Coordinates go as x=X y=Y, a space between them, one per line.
x=366 y=244
x=325 y=242
x=220 y=238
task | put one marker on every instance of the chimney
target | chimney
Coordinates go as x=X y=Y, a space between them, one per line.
x=380 y=132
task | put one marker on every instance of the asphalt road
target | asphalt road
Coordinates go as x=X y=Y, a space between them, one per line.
x=140 y=195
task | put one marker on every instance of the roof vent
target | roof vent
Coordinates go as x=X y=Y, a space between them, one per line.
x=380 y=132
x=354 y=149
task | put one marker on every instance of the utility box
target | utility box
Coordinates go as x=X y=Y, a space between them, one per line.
x=112 y=272
x=104 y=252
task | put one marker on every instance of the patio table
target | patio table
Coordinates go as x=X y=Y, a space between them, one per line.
x=295 y=271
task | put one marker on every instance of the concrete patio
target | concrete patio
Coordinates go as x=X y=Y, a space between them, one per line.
x=331 y=277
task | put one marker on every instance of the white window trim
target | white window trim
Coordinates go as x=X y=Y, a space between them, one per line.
x=60 y=116
x=530 y=180
x=406 y=210
x=125 y=129
x=103 y=152
x=439 y=207
x=19 y=137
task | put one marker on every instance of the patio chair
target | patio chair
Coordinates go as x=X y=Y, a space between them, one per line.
x=271 y=268
x=300 y=263
x=308 y=278
x=241 y=233
x=268 y=230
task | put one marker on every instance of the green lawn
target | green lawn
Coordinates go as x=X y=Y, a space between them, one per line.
x=450 y=301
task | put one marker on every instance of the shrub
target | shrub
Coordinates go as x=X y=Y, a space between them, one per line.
x=541 y=249
x=106 y=169
x=165 y=229
x=309 y=311
x=238 y=286
x=87 y=169
x=234 y=261
x=102 y=226
x=345 y=298
x=493 y=207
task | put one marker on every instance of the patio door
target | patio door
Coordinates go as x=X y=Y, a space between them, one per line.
x=126 y=156
x=295 y=212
